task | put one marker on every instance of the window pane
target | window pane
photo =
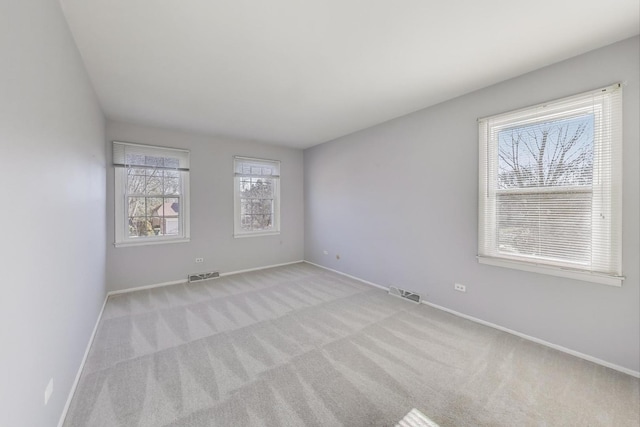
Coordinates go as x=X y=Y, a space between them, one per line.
x=245 y=206
x=154 y=206
x=154 y=185
x=262 y=222
x=140 y=227
x=156 y=225
x=171 y=207
x=262 y=206
x=548 y=154
x=137 y=206
x=154 y=216
x=171 y=186
x=255 y=206
x=245 y=222
x=136 y=183
x=171 y=226
x=256 y=188
x=264 y=188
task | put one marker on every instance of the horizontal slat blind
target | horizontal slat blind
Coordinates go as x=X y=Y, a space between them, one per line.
x=257 y=168
x=140 y=156
x=550 y=183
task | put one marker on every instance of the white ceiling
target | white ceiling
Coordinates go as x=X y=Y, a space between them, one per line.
x=302 y=72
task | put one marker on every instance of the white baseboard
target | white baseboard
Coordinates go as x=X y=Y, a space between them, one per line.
x=260 y=268
x=84 y=359
x=539 y=341
x=141 y=288
x=348 y=275
x=177 y=282
x=503 y=329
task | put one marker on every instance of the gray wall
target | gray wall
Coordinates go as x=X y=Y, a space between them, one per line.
x=398 y=202
x=53 y=211
x=211 y=179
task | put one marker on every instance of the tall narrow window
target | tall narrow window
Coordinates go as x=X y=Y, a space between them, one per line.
x=550 y=188
x=257 y=197
x=151 y=194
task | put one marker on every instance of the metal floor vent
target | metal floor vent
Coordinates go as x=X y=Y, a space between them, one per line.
x=401 y=293
x=203 y=276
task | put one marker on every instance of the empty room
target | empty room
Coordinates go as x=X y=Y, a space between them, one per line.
x=320 y=213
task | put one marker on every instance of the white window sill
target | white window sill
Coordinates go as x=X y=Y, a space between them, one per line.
x=147 y=242
x=256 y=234
x=554 y=271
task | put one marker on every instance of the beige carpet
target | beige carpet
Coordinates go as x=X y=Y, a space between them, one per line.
x=301 y=346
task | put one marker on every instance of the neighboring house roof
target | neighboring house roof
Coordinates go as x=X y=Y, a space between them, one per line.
x=170 y=209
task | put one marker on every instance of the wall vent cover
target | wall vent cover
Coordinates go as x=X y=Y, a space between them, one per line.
x=203 y=276
x=402 y=293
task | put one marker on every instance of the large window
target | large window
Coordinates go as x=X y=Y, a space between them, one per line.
x=550 y=188
x=257 y=197
x=151 y=194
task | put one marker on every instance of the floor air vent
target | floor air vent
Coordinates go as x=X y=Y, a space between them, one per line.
x=203 y=276
x=401 y=293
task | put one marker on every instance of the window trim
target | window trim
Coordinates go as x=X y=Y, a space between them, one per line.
x=238 y=233
x=550 y=270
x=487 y=215
x=120 y=204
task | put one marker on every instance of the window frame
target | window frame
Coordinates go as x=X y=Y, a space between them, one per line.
x=607 y=115
x=238 y=231
x=121 y=214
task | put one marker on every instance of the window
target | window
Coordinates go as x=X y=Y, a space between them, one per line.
x=151 y=194
x=257 y=197
x=550 y=188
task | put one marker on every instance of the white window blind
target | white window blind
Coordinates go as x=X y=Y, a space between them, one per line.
x=257 y=197
x=127 y=154
x=550 y=187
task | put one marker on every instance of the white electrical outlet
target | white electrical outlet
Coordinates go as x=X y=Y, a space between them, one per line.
x=199 y=260
x=48 y=391
x=460 y=288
